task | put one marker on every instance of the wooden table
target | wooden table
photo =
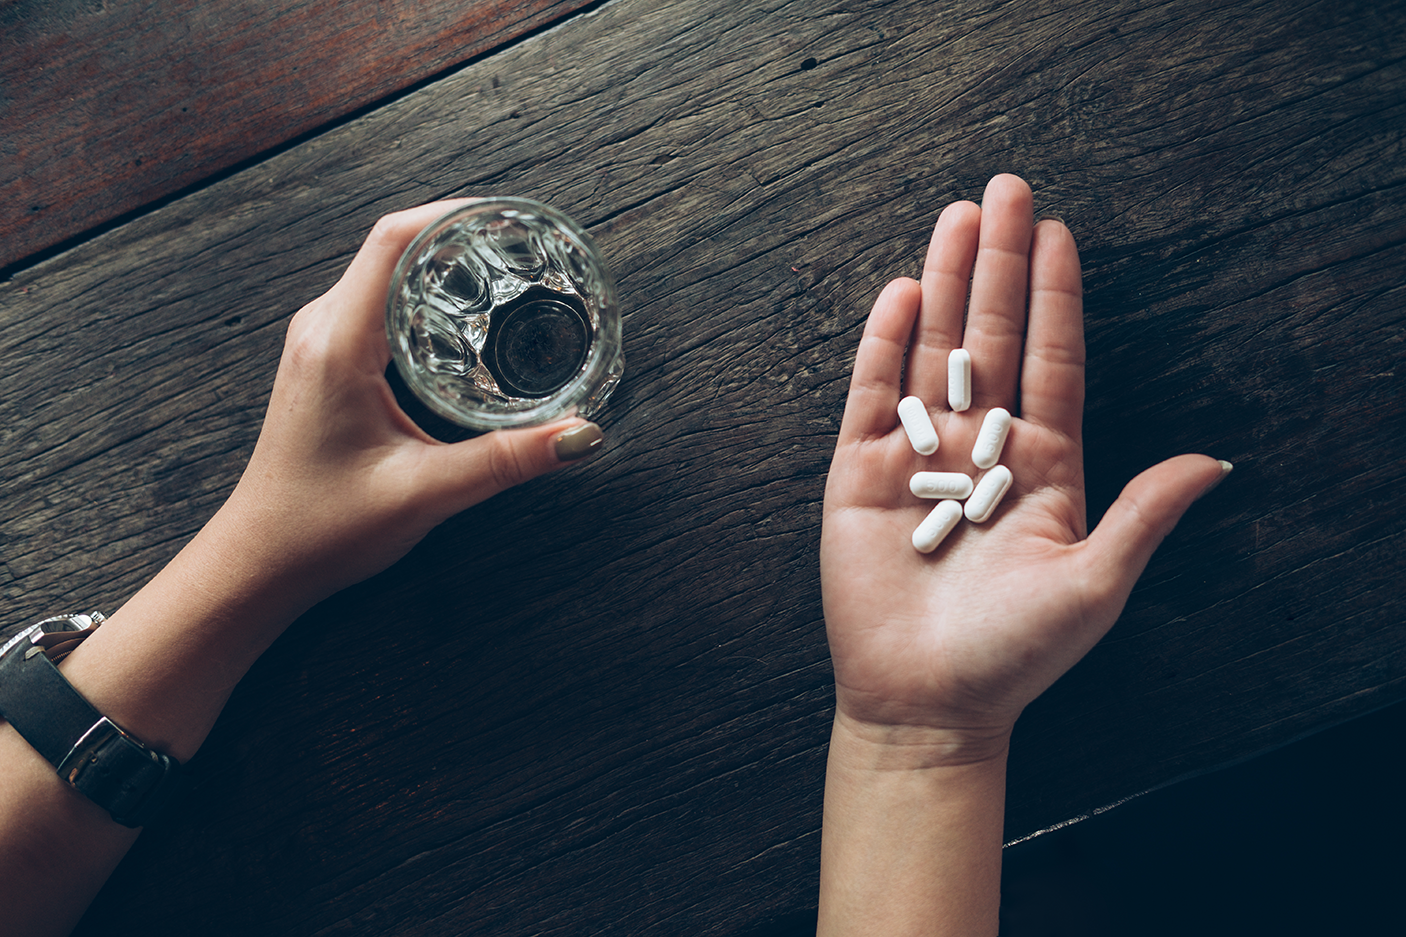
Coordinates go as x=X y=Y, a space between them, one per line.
x=600 y=703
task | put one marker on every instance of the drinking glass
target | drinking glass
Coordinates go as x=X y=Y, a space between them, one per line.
x=502 y=314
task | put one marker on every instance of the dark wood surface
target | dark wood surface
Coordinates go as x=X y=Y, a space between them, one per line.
x=600 y=703
x=107 y=107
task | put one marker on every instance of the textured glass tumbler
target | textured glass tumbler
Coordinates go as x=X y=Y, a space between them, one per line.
x=502 y=314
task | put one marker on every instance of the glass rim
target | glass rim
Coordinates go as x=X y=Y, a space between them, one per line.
x=605 y=349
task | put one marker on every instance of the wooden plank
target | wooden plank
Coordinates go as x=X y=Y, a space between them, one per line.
x=626 y=732
x=108 y=107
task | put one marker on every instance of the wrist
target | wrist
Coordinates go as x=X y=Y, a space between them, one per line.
x=911 y=841
x=910 y=746
x=260 y=552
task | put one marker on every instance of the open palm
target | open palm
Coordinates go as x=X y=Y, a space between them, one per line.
x=960 y=640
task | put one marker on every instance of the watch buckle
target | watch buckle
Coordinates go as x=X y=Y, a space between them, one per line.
x=84 y=751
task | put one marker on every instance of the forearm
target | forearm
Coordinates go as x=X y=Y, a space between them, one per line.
x=909 y=845
x=164 y=664
x=162 y=668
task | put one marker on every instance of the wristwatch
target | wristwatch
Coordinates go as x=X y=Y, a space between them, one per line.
x=91 y=753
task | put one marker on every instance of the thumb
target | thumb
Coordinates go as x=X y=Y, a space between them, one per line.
x=1146 y=511
x=465 y=473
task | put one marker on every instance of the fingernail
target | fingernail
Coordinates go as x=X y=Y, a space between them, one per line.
x=1225 y=468
x=1050 y=218
x=578 y=442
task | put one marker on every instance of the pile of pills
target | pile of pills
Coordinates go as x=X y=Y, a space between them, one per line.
x=954 y=487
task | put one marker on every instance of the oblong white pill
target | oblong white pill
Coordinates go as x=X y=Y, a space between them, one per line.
x=988 y=494
x=937 y=525
x=959 y=379
x=940 y=485
x=992 y=438
x=918 y=425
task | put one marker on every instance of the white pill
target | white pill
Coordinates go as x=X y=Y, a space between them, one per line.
x=959 y=379
x=992 y=438
x=988 y=493
x=918 y=425
x=937 y=525
x=940 y=485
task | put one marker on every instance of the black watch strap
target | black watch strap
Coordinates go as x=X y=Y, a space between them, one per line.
x=90 y=752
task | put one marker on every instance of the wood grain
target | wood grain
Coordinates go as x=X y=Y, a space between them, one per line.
x=599 y=703
x=110 y=106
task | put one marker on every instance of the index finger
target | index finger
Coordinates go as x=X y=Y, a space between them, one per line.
x=363 y=286
x=1052 y=375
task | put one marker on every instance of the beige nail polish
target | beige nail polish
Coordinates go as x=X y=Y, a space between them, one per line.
x=579 y=441
x=1225 y=469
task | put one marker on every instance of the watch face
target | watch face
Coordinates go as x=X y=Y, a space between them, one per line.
x=20 y=637
x=81 y=621
x=75 y=621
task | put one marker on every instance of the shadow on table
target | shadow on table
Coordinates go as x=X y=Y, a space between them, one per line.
x=1304 y=840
